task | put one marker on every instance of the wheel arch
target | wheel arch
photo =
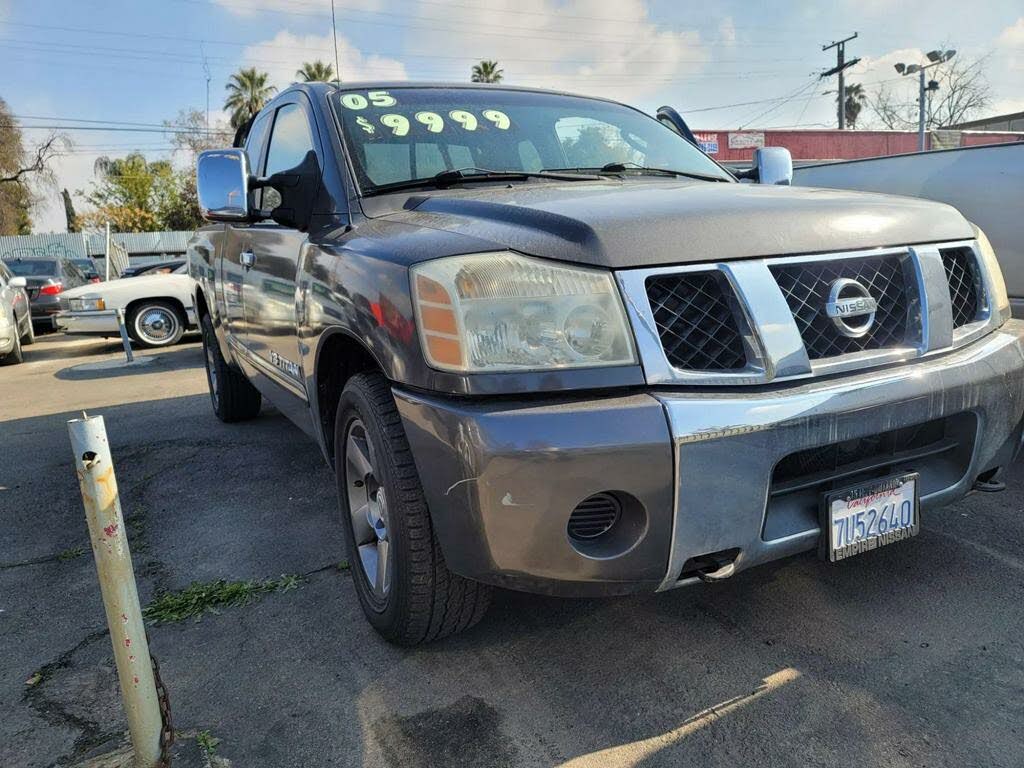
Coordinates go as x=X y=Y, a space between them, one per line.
x=339 y=356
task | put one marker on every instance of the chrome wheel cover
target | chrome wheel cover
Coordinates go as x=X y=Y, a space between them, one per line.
x=157 y=325
x=368 y=508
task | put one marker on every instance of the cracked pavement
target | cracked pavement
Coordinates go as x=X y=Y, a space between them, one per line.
x=910 y=655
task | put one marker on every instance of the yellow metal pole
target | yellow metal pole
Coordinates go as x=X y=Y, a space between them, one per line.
x=95 y=471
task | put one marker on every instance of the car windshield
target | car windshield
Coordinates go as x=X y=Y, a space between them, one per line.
x=402 y=134
x=86 y=265
x=32 y=267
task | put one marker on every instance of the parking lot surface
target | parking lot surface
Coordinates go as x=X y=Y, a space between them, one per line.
x=912 y=655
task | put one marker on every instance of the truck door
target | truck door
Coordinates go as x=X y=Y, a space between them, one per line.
x=238 y=238
x=271 y=263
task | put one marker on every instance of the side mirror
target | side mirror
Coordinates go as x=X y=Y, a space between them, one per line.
x=298 y=188
x=17 y=282
x=222 y=183
x=773 y=165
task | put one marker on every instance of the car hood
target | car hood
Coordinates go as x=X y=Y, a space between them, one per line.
x=635 y=223
x=130 y=288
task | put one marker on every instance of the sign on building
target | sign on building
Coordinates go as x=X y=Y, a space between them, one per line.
x=748 y=140
x=708 y=142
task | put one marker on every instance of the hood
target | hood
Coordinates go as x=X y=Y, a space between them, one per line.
x=130 y=288
x=636 y=223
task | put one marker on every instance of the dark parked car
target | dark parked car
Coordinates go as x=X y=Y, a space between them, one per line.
x=46 y=279
x=88 y=267
x=15 y=321
x=160 y=267
x=547 y=344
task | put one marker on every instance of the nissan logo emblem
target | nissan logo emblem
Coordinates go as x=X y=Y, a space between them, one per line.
x=851 y=308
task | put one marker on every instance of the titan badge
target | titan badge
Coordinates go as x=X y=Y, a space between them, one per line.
x=292 y=369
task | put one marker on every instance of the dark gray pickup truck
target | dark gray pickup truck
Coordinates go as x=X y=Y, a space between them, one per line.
x=547 y=344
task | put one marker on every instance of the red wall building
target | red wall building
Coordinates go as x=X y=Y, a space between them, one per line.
x=809 y=145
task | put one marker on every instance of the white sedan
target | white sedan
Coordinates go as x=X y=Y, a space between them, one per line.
x=158 y=309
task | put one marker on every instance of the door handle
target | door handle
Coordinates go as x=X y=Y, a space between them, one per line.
x=247 y=259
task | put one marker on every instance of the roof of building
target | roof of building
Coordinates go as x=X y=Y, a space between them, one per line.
x=993 y=119
x=79 y=244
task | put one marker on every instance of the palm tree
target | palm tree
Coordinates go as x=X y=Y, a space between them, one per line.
x=247 y=93
x=315 y=72
x=855 y=101
x=487 y=72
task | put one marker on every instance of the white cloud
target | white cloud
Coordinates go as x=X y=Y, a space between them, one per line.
x=727 y=32
x=292 y=50
x=1012 y=36
x=612 y=49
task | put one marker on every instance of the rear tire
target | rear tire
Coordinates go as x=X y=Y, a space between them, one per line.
x=232 y=396
x=15 y=356
x=419 y=599
x=156 y=324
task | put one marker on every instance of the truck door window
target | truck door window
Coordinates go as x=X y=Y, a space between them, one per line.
x=290 y=141
x=254 y=145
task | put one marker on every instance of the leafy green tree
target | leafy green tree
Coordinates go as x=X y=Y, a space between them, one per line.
x=131 y=193
x=315 y=72
x=487 y=72
x=248 y=92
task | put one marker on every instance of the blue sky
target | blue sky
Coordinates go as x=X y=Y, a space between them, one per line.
x=141 y=62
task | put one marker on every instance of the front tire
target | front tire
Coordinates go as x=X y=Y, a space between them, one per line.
x=232 y=396
x=156 y=324
x=404 y=587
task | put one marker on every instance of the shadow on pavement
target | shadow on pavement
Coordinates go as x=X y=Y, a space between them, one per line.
x=174 y=359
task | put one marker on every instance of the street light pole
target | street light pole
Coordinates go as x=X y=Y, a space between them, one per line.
x=920 y=113
x=936 y=58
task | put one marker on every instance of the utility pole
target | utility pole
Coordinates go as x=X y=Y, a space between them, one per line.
x=206 y=71
x=334 y=26
x=841 y=65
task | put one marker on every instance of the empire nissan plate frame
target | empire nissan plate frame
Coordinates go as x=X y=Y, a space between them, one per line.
x=870 y=515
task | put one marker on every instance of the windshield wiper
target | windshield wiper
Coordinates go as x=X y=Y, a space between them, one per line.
x=472 y=175
x=642 y=169
x=611 y=168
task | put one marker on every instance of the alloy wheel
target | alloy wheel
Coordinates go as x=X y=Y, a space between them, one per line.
x=368 y=507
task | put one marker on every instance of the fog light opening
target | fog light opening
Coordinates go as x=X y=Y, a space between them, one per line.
x=606 y=524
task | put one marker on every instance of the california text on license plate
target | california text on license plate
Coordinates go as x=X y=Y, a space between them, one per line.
x=870 y=516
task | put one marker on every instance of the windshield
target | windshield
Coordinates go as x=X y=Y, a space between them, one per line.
x=32 y=267
x=400 y=134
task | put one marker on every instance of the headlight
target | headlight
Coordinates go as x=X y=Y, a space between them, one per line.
x=87 y=305
x=996 y=284
x=490 y=312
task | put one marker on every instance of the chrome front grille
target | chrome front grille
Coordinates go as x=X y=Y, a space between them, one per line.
x=964 y=284
x=695 y=321
x=761 y=320
x=806 y=285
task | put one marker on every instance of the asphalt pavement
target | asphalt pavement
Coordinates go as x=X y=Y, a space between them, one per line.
x=912 y=655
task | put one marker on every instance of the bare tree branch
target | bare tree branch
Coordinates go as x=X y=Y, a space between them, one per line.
x=44 y=153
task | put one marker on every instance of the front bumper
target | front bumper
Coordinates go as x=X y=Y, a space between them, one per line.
x=101 y=322
x=502 y=477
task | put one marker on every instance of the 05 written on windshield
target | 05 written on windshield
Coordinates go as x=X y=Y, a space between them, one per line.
x=400 y=124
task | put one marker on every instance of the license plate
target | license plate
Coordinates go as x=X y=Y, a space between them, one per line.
x=870 y=516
